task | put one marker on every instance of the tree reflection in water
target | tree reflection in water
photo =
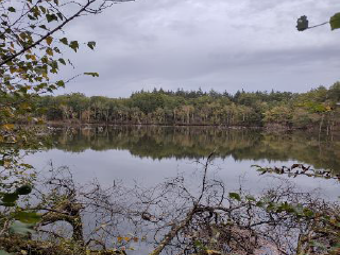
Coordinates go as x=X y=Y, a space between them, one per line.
x=195 y=143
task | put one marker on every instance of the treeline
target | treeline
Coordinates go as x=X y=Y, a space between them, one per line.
x=318 y=108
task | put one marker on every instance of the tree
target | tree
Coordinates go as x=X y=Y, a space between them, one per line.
x=31 y=53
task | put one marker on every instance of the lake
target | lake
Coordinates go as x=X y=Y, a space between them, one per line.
x=149 y=155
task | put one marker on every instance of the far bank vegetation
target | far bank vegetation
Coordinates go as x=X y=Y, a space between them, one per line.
x=317 y=109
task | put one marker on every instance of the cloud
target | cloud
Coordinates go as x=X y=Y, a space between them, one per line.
x=225 y=45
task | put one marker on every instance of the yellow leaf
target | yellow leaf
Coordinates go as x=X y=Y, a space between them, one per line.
x=7 y=163
x=119 y=239
x=333 y=221
x=12 y=69
x=25 y=106
x=44 y=75
x=10 y=87
x=33 y=57
x=212 y=252
x=23 y=35
x=8 y=127
x=13 y=139
x=127 y=239
x=49 y=40
x=49 y=51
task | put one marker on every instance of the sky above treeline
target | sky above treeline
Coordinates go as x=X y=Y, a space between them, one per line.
x=213 y=44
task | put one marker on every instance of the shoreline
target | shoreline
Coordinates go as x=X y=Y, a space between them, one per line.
x=276 y=128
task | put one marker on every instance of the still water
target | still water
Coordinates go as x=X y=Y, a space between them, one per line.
x=149 y=155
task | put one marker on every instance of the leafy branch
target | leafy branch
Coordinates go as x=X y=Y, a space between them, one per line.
x=303 y=23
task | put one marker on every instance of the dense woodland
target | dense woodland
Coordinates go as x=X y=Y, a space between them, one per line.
x=318 y=108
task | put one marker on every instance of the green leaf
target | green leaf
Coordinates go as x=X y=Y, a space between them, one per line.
x=302 y=23
x=92 y=74
x=260 y=204
x=27 y=217
x=10 y=197
x=271 y=206
x=61 y=60
x=51 y=17
x=335 y=21
x=64 y=40
x=11 y=9
x=21 y=228
x=250 y=198
x=235 y=196
x=308 y=213
x=24 y=189
x=43 y=27
x=60 y=15
x=91 y=45
x=60 y=83
x=31 y=17
x=43 y=9
x=74 y=45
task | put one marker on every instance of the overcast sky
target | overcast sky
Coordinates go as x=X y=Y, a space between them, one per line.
x=212 y=44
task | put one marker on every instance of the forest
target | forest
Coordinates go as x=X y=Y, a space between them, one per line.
x=316 y=109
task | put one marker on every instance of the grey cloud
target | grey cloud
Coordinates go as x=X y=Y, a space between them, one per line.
x=213 y=44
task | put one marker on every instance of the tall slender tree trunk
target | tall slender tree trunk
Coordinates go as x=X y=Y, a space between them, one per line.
x=321 y=124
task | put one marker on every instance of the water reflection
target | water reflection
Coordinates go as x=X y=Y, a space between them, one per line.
x=141 y=158
x=194 y=143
